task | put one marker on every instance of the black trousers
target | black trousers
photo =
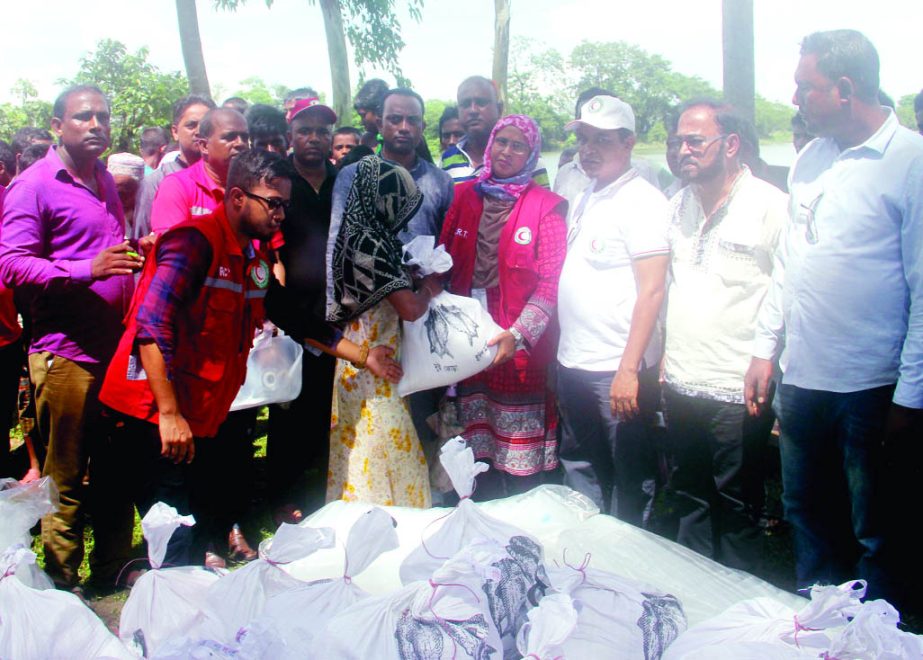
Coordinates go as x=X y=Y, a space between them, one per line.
x=11 y=361
x=715 y=491
x=299 y=435
x=613 y=462
x=145 y=478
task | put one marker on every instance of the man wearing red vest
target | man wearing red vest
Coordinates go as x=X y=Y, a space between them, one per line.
x=184 y=352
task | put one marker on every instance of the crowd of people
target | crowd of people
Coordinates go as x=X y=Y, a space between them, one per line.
x=655 y=324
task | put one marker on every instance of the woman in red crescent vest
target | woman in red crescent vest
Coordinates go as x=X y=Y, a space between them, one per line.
x=507 y=238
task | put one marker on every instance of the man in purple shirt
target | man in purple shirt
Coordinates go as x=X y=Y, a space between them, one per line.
x=63 y=248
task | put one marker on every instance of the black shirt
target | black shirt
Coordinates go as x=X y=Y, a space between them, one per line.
x=299 y=307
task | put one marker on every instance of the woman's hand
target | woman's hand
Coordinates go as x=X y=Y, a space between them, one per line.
x=623 y=394
x=381 y=363
x=506 y=347
x=433 y=283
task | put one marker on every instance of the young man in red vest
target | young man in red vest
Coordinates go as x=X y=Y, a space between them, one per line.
x=184 y=352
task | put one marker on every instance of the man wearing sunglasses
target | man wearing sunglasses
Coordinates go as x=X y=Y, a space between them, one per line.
x=723 y=231
x=848 y=309
x=183 y=355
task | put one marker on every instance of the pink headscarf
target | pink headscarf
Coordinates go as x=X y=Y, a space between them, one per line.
x=511 y=188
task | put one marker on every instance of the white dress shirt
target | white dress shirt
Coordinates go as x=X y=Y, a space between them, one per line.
x=721 y=269
x=847 y=288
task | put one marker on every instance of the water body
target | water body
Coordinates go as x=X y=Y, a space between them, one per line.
x=774 y=153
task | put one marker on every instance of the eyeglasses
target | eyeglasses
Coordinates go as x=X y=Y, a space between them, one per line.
x=694 y=142
x=272 y=203
x=518 y=148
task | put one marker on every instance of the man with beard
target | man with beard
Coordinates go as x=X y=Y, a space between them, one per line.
x=183 y=355
x=723 y=231
x=187 y=113
x=299 y=431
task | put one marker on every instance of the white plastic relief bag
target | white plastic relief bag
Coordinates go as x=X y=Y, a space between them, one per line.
x=239 y=597
x=462 y=525
x=547 y=628
x=443 y=618
x=422 y=252
x=273 y=370
x=291 y=619
x=166 y=605
x=449 y=342
x=618 y=617
x=873 y=633
x=48 y=623
x=21 y=506
x=777 y=626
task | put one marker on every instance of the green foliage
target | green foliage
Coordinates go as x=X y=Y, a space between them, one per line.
x=374 y=31
x=256 y=90
x=905 y=113
x=772 y=118
x=434 y=110
x=537 y=87
x=644 y=81
x=30 y=111
x=139 y=93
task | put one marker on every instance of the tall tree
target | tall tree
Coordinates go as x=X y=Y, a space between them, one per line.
x=501 y=45
x=192 y=47
x=737 y=41
x=373 y=30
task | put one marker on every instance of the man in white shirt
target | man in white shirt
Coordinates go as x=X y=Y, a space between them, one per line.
x=723 y=232
x=610 y=294
x=847 y=303
x=572 y=179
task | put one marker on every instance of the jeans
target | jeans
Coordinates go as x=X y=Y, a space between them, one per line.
x=716 y=486
x=613 y=462
x=834 y=485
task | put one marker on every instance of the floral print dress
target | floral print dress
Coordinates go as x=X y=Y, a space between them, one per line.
x=375 y=455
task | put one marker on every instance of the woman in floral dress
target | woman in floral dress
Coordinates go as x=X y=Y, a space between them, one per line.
x=375 y=455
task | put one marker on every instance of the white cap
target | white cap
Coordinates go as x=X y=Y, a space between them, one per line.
x=605 y=112
x=127 y=164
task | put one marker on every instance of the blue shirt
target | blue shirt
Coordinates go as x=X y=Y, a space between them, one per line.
x=847 y=288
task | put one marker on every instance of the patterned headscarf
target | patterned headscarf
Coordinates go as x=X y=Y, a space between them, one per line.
x=366 y=264
x=510 y=189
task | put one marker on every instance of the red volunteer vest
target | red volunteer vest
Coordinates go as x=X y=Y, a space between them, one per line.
x=517 y=254
x=213 y=335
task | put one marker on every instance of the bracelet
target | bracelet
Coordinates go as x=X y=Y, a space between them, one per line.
x=363 y=356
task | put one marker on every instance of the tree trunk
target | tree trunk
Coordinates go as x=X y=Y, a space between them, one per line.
x=737 y=28
x=339 y=60
x=501 y=45
x=192 y=47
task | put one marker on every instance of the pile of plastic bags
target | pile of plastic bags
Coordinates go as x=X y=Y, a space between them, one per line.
x=37 y=620
x=541 y=576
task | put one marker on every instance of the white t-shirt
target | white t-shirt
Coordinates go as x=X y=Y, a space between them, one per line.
x=608 y=229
